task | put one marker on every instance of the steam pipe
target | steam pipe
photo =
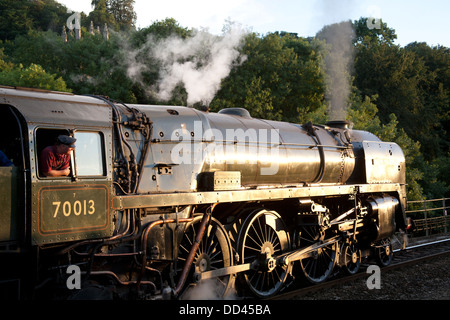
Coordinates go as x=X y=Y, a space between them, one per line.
x=111 y=240
x=187 y=266
x=124 y=283
x=145 y=237
x=121 y=139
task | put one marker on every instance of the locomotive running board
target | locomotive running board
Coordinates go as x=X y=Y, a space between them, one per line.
x=283 y=259
x=209 y=197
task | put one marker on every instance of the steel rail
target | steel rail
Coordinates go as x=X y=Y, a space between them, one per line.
x=330 y=283
x=423 y=245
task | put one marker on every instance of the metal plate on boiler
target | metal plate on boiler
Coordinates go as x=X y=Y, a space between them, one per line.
x=219 y=180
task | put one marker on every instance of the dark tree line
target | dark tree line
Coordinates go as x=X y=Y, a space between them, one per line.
x=401 y=94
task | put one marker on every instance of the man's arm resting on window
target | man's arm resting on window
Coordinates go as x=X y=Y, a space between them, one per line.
x=57 y=173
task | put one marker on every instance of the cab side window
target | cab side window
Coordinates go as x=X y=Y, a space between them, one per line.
x=87 y=157
x=89 y=154
x=44 y=138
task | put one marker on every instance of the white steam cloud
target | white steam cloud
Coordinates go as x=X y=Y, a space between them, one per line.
x=210 y=289
x=198 y=63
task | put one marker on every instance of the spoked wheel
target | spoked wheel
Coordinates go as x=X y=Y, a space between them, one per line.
x=351 y=257
x=319 y=265
x=261 y=238
x=384 y=253
x=214 y=252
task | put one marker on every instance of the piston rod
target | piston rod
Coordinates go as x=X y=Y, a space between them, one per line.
x=281 y=260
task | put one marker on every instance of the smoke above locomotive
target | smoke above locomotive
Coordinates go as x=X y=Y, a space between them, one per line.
x=338 y=59
x=198 y=63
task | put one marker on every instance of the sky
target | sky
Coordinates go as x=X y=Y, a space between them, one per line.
x=413 y=20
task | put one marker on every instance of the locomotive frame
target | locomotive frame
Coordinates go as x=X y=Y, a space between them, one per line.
x=132 y=212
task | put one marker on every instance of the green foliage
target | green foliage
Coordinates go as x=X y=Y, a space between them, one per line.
x=34 y=77
x=160 y=29
x=4 y=65
x=123 y=13
x=259 y=100
x=412 y=84
x=363 y=115
x=401 y=94
x=380 y=34
x=281 y=78
x=119 y=15
x=15 y=18
x=48 y=15
x=20 y=16
x=101 y=16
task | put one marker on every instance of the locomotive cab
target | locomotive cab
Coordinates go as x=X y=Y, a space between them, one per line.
x=57 y=209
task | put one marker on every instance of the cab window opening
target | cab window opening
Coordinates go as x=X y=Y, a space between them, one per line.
x=46 y=141
x=89 y=154
x=86 y=158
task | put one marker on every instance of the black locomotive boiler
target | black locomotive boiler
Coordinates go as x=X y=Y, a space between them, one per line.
x=161 y=199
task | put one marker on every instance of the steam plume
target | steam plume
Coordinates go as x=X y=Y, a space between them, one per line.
x=338 y=66
x=198 y=63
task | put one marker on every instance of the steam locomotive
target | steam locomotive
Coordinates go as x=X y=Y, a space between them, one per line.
x=162 y=199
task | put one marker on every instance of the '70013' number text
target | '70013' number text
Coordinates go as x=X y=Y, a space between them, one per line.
x=83 y=207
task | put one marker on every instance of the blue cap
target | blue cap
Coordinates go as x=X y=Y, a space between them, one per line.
x=68 y=141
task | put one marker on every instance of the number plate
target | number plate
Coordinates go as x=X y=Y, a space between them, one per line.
x=72 y=209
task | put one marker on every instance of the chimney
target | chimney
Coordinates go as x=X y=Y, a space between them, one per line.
x=77 y=34
x=341 y=124
x=106 y=32
x=64 y=34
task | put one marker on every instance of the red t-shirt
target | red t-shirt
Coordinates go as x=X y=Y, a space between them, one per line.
x=51 y=160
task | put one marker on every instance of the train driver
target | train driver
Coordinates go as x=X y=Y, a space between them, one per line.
x=55 y=160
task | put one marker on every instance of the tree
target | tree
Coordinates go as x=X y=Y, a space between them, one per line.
x=48 y=15
x=281 y=78
x=91 y=65
x=379 y=33
x=159 y=30
x=117 y=14
x=412 y=89
x=259 y=100
x=4 y=65
x=135 y=50
x=15 y=18
x=363 y=113
x=42 y=48
x=436 y=96
x=401 y=80
x=123 y=13
x=101 y=16
x=34 y=77
x=94 y=65
x=21 y=16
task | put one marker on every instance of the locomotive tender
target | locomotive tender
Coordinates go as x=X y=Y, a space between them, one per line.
x=162 y=198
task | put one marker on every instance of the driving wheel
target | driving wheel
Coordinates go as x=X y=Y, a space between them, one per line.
x=262 y=237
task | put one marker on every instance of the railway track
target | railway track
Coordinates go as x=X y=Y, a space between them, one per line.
x=402 y=258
